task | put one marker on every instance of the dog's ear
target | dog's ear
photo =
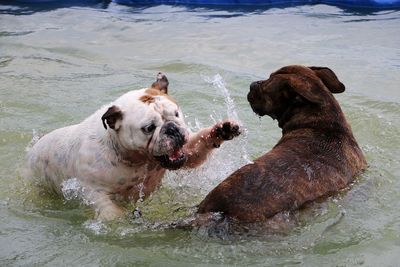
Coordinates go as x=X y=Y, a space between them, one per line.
x=112 y=117
x=303 y=86
x=161 y=83
x=328 y=77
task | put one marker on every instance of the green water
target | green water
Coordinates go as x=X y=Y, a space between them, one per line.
x=58 y=65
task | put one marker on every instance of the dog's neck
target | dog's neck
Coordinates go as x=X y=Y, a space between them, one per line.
x=327 y=118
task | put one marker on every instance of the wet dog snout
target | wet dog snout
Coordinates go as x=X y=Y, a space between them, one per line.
x=254 y=86
x=174 y=132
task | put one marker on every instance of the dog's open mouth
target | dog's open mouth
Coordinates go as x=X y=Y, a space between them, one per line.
x=173 y=161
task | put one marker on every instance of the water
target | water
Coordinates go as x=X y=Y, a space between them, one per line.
x=58 y=65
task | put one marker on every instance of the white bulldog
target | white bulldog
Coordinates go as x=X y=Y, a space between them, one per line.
x=122 y=151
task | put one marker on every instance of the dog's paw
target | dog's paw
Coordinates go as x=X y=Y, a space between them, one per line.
x=227 y=130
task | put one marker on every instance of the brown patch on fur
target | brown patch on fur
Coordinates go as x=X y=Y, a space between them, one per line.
x=317 y=155
x=151 y=92
x=147 y=99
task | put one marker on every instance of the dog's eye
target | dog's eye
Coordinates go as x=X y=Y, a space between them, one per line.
x=177 y=114
x=148 y=129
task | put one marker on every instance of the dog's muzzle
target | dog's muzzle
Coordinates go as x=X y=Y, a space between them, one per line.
x=255 y=100
x=174 y=137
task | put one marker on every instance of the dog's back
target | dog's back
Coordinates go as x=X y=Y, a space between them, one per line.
x=316 y=156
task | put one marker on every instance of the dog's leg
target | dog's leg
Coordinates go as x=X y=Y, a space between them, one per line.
x=106 y=209
x=204 y=141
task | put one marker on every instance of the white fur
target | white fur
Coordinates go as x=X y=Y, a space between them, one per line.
x=115 y=164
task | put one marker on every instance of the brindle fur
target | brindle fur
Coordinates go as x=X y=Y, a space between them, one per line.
x=316 y=156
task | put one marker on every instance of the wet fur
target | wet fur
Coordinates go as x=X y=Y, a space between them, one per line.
x=316 y=156
x=114 y=163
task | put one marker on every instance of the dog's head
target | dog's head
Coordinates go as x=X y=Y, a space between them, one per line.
x=151 y=122
x=293 y=86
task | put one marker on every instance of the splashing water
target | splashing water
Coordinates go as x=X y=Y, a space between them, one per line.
x=73 y=190
x=141 y=185
x=35 y=138
x=190 y=186
x=96 y=227
x=141 y=192
x=184 y=188
x=218 y=82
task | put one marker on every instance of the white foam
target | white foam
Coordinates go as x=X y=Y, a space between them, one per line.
x=73 y=190
x=96 y=226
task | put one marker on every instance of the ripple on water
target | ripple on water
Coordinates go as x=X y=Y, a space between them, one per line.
x=48 y=81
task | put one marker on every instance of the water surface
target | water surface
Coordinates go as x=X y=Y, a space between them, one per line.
x=59 y=64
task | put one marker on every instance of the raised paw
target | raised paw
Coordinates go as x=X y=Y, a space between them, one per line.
x=227 y=130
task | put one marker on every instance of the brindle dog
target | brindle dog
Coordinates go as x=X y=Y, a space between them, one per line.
x=316 y=156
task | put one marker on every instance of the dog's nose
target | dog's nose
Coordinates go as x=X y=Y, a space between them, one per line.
x=172 y=130
x=252 y=94
x=254 y=86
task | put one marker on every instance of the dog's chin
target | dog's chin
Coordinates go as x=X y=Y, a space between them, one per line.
x=259 y=111
x=173 y=161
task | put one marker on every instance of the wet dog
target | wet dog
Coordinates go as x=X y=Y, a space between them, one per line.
x=316 y=156
x=121 y=152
